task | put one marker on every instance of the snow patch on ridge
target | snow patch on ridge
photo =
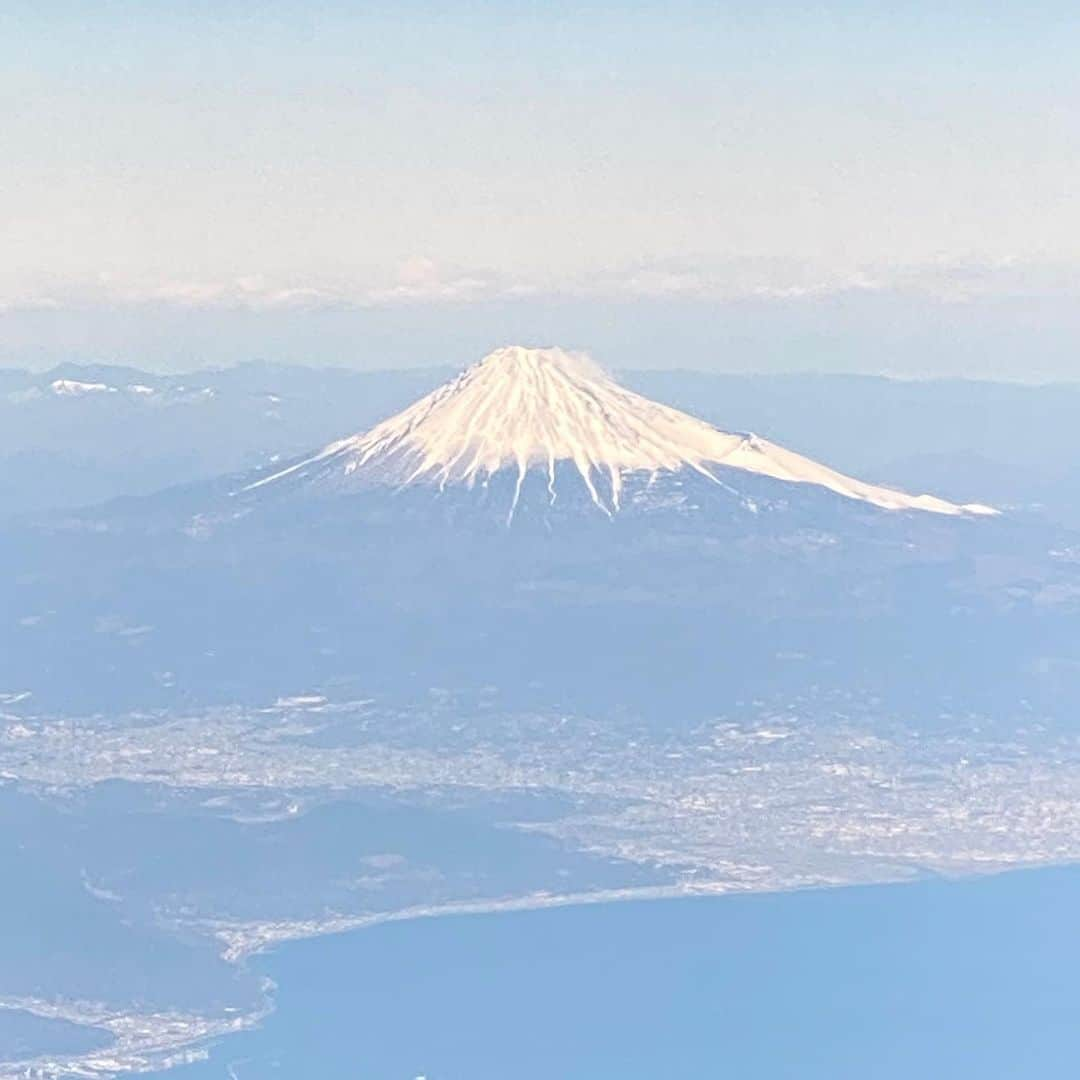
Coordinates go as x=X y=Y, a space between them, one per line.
x=75 y=388
x=521 y=408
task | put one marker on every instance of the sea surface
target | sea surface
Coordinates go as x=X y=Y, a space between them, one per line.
x=978 y=978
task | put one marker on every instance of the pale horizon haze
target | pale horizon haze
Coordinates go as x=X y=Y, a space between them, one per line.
x=725 y=187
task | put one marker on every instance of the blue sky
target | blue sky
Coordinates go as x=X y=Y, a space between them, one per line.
x=349 y=183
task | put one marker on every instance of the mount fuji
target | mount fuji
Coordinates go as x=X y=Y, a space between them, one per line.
x=546 y=425
x=526 y=515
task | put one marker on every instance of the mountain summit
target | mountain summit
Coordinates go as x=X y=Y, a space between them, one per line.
x=522 y=410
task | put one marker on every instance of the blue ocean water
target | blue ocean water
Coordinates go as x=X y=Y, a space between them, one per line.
x=953 y=979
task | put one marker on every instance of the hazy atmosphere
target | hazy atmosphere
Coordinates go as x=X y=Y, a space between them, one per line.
x=754 y=187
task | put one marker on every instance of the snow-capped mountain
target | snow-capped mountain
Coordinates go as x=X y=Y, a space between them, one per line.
x=548 y=413
x=648 y=550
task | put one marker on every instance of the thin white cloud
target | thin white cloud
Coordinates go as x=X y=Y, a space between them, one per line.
x=961 y=280
x=421 y=280
x=18 y=302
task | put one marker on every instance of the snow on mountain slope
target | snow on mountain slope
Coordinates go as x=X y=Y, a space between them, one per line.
x=523 y=409
x=77 y=388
